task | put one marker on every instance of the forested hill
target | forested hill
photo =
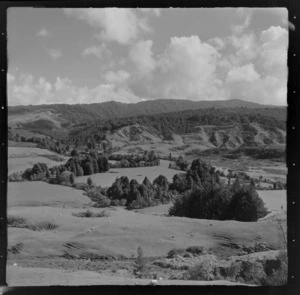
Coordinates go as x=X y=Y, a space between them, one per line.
x=184 y=122
x=81 y=113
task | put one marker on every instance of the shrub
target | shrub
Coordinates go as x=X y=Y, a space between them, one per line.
x=204 y=271
x=15 y=221
x=102 y=201
x=90 y=214
x=176 y=252
x=195 y=250
x=65 y=177
x=15 y=177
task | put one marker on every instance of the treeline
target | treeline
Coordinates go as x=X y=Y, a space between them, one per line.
x=81 y=164
x=134 y=195
x=181 y=122
x=87 y=164
x=57 y=146
x=197 y=194
x=131 y=161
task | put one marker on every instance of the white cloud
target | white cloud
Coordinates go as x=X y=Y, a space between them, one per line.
x=187 y=69
x=141 y=55
x=98 y=51
x=218 y=43
x=26 y=90
x=243 y=73
x=266 y=90
x=273 y=53
x=238 y=29
x=54 y=53
x=119 y=77
x=115 y=24
x=245 y=48
x=43 y=33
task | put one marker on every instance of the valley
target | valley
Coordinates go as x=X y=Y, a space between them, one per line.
x=47 y=236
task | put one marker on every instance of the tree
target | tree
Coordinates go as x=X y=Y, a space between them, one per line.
x=90 y=181
x=74 y=153
x=140 y=263
x=72 y=178
x=246 y=205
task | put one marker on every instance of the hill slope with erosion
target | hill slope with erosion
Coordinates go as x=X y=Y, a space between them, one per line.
x=204 y=137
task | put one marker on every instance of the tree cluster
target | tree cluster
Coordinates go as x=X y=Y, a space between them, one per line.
x=140 y=195
x=205 y=197
x=88 y=164
x=131 y=161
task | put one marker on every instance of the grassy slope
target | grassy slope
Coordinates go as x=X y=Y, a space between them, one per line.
x=19 y=276
x=21 y=158
x=124 y=231
x=39 y=193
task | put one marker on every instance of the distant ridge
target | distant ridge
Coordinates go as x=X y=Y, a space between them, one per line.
x=113 y=109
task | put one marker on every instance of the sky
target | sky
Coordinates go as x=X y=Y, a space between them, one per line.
x=78 y=55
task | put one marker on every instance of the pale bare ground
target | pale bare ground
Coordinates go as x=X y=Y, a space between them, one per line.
x=20 y=276
x=38 y=193
x=108 y=178
x=21 y=158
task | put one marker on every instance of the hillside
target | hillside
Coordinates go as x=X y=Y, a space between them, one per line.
x=74 y=114
x=228 y=137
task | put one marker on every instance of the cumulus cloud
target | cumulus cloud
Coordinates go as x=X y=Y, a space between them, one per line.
x=26 y=90
x=54 y=53
x=187 y=69
x=119 y=77
x=98 y=51
x=43 y=33
x=273 y=53
x=141 y=55
x=121 y=25
x=244 y=73
x=218 y=43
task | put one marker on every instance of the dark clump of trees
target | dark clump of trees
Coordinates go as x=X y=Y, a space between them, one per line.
x=178 y=164
x=131 y=161
x=88 y=164
x=202 y=195
x=45 y=142
x=134 y=195
x=39 y=171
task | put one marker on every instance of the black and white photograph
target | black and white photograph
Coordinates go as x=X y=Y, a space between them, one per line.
x=147 y=146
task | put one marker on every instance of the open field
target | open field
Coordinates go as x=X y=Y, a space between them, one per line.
x=123 y=231
x=38 y=193
x=107 y=179
x=51 y=245
x=20 y=276
x=21 y=158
